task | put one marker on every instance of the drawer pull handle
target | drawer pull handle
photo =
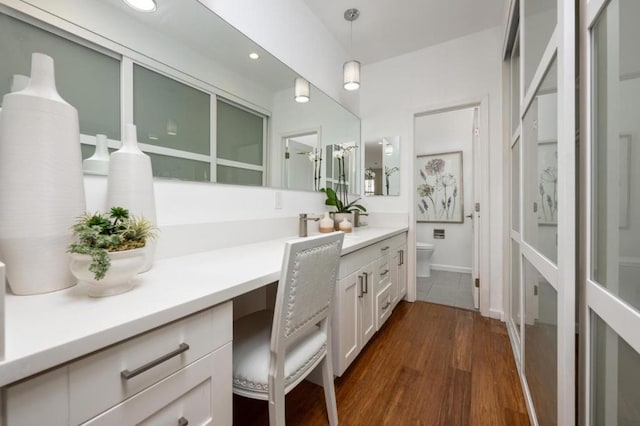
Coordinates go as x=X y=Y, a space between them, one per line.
x=126 y=374
x=182 y=421
x=366 y=282
x=385 y=272
x=361 y=287
x=384 y=308
x=384 y=248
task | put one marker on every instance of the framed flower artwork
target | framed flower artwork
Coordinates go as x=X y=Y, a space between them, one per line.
x=439 y=188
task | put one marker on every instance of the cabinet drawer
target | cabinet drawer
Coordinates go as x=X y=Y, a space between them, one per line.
x=382 y=273
x=383 y=306
x=97 y=382
x=194 y=395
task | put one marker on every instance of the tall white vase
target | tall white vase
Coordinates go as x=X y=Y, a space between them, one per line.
x=41 y=183
x=98 y=163
x=130 y=184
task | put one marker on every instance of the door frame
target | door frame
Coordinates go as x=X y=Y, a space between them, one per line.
x=480 y=189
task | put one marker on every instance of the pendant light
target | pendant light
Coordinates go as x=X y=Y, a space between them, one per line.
x=301 y=90
x=351 y=69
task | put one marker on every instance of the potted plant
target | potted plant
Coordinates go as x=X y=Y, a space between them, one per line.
x=344 y=208
x=108 y=250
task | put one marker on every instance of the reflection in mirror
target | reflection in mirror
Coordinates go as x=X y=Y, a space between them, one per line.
x=382 y=166
x=341 y=167
x=205 y=109
x=302 y=162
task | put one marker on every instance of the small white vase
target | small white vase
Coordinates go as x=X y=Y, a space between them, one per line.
x=98 y=163
x=339 y=217
x=41 y=183
x=130 y=185
x=326 y=224
x=118 y=279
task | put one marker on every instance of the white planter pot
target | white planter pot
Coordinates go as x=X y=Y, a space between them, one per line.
x=118 y=279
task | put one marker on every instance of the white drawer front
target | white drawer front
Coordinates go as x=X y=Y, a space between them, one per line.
x=96 y=383
x=199 y=394
x=382 y=273
x=383 y=307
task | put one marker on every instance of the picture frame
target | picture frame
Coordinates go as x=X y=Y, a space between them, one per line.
x=439 y=188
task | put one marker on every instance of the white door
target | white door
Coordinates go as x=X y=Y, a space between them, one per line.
x=610 y=318
x=474 y=215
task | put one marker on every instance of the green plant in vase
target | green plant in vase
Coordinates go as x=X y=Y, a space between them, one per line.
x=98 y=234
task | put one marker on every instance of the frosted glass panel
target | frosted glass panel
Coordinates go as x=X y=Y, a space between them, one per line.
x=540 y=19
x=240 y=135
x=515 y=87
x=238 y=176
x=515 y=186
x=87 y=79
x=541 y=344
x=615 y=249
x=180 y=168
x=515 y=284
x=170 y=114
x=615 y=377
x=540 y=173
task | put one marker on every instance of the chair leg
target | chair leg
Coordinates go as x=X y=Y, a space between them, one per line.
x=276 y=406
x=329 y=390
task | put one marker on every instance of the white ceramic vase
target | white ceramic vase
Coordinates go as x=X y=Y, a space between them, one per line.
x=118 y=279
x=339 y=217
x=130 y=185
x=41 y=183
x=98 y=163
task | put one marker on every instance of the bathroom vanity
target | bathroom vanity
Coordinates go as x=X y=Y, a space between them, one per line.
x=163 y=350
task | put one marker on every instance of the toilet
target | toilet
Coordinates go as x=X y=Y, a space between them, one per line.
x=423 y=264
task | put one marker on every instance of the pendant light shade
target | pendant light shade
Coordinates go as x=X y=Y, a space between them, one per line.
x=351 y=69
x=351 y=72
x=301 y=90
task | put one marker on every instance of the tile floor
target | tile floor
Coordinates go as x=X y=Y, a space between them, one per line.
x=446 y=288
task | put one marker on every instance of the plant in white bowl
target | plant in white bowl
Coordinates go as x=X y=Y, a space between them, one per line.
x=108 y=250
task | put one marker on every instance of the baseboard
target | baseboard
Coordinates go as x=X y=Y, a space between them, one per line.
x=496 y=314
x=451 y=268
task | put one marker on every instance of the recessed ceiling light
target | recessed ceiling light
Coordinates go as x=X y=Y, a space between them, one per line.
x=142 y=5
x=254 y=55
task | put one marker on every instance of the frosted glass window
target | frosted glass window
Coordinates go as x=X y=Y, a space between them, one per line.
x=170 y=114
x=541 y=344
x=515 y=186
x=540 y=173
x=515 y=86
x=238 y=176
x=615 y=235
x=540 y=19
x=180 y=168
x=615 y=377
x=240 y=134
x=87 y=79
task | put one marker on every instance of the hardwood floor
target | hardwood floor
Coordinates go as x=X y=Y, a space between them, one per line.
x=429 y=365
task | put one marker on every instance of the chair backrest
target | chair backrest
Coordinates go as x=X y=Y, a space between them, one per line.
x=306 y=287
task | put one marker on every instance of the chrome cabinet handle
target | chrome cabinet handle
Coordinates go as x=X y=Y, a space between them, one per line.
x=182 y=421
x=385 y=272
x=361 y=287
x=366 y=282
x=126 y=374
x=401 y=257
x=384 y=308
x=384 y=248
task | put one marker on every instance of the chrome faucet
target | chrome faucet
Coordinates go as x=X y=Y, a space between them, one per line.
x=302 y=224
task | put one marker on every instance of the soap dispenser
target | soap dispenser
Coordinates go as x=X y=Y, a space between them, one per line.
x=326 y=224
x=346 y=226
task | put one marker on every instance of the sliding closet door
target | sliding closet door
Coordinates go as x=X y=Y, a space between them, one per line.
x=543 y=286
x=611 y=115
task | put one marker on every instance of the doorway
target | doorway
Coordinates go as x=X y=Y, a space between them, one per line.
x=447 y=232
x=302 y=161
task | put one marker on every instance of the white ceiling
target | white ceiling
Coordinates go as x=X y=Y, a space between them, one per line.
x=388 y=28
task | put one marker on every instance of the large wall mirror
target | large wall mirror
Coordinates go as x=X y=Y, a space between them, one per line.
x=382 y=166
x=205 y=110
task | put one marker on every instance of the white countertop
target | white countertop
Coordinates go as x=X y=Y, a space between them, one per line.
x=47 y=330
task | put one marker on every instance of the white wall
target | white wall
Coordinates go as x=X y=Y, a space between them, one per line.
x=457 y=71
x=446 y=132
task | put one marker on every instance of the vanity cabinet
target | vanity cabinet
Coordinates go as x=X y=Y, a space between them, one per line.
x=398 y=272
x=363 y=299
x=180 y=371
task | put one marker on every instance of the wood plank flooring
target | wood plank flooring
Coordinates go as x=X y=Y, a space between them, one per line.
x=429 y=365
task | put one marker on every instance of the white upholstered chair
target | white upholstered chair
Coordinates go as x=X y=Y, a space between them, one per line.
x=273 y=351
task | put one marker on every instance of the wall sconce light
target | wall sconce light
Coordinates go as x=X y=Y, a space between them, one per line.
x=301 y=90
x=351 y=69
